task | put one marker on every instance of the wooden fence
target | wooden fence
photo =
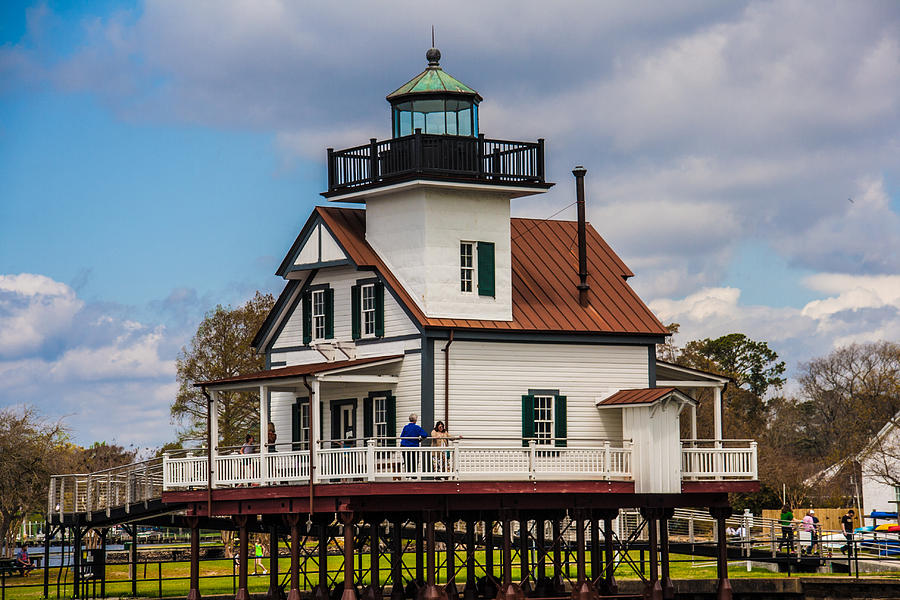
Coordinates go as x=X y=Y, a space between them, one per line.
x=829 y=518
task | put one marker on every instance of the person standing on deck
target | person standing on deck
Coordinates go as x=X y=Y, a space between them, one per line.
x=411 y=437
x=787 y=529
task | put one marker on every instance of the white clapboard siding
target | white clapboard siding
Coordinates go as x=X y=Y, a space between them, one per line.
x=407 y=392
x=656 y=455
x=488 y=380
x=341 y=279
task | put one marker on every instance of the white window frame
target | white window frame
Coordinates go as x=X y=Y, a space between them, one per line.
x=470 y=269
x=317 y=303
x=379 y=419
x=544 y=428
x=367 y=313
x=303 y=410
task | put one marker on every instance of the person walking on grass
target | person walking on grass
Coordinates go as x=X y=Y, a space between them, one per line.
x=258 y=562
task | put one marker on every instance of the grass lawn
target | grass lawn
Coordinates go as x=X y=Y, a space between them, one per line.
x=216 y=575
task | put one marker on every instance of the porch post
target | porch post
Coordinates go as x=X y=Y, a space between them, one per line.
x=315 y=430
x=194 y=592
x=693 y=421
x=263 y=434
x=717 y=414
x=213 y=435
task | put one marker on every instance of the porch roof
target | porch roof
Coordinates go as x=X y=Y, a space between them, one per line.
x=300 y=370
x=643 y=396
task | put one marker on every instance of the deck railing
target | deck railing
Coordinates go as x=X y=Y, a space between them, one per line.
x=441 y=156
x=373 y=462
x=103 y=490
x=718 y=459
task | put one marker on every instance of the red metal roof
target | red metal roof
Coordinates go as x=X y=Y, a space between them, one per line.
x=641 y=396
x=297 y=370
x=544 y=279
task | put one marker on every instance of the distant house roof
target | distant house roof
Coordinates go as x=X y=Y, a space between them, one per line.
x=544 y=279
x=300 y=370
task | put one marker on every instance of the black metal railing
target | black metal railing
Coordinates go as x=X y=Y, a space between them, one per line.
x=435 y=156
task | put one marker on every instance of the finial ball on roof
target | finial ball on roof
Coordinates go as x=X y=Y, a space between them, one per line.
x=433 y=56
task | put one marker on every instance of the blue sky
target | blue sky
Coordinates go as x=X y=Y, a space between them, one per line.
x=158 y=158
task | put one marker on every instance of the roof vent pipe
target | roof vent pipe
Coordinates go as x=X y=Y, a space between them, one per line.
x=583 y=287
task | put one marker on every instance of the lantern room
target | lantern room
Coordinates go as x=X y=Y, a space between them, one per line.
x=435 y=103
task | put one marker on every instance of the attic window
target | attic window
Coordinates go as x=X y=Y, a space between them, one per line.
x=318 y=314
x=368 y=309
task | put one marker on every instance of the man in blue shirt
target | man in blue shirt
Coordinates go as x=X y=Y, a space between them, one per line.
x=411 y=437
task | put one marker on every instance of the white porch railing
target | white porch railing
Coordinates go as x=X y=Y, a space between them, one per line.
x=718 y=462
x=389 y=463
x=107 y=489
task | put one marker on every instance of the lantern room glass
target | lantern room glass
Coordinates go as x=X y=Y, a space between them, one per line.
x=440 y=116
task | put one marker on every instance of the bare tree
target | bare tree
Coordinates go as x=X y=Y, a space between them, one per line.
x=881 y=459
x=31 y=447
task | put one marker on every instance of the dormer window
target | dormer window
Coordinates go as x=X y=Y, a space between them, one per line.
x=318 y=314
x=367 y=293
x=367 y=309
x=476 y=268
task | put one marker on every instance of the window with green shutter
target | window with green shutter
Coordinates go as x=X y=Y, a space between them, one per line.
x=355 y=312
x=300 y=424
x=307 y=317
x=380 y=417
x=318 y=313
x=329 y=313
x=379 y=309
x=544 y=417
x=485 y=269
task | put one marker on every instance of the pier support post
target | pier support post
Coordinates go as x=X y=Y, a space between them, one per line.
x=76 y=561
x=275 y=592
x=523 y=554
x=432 y=591
x=668 y=587
x=397 y=560
x=558 y=585
x=491 y=583
x=194 y=591
x=349 y=586
x=373 y=590
x=243 y=556
x=596 y=551
x=420 y=554
x=452 y=592
x=508 y=589
x=610 y=586
x=583 y=589
x=470 y=592
x=654 y=587
x=294 y=521
x=723 y=589
x=320 y=592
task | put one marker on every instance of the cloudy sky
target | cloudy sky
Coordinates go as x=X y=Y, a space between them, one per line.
x=157 y=158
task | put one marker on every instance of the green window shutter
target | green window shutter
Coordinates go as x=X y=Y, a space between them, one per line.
x=307 y=317
x=355 y=310
x=560 y=418
x=391 y=406
x=329 y=313
x=368 y=418
x=485 y=268
x=379 y=309
x=527 y=419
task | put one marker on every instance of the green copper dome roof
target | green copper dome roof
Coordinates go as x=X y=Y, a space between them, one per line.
x=433 y=80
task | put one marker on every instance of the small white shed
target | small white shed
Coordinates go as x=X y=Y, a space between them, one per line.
x=650 y=418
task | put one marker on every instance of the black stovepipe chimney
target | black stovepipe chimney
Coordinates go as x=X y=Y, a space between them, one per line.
x=583 y=286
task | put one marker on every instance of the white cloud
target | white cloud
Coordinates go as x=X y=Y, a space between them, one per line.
x=33 y=309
